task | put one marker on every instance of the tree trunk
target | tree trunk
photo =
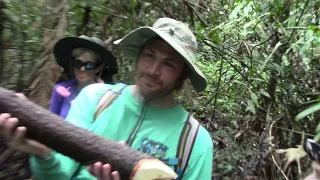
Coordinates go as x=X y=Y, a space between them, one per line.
x=83 y=29
x=45 y=73
x=16 y=164
x=2 y=19
x=20 y=83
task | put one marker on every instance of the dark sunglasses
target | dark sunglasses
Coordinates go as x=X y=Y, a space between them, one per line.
x=87 y=65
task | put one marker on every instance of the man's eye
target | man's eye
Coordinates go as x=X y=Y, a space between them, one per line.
x=169 y=64
x=149 y=55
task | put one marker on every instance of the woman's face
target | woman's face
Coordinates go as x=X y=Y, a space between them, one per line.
x=84 y=69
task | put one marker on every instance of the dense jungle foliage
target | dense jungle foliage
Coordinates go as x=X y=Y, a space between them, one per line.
x=261 y=58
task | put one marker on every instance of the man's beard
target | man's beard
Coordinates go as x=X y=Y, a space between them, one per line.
x=152 y=78
x=155 y=80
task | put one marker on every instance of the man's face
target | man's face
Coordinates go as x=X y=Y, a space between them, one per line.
x=159 y=68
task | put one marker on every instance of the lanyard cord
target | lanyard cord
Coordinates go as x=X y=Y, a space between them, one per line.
x=136 y=128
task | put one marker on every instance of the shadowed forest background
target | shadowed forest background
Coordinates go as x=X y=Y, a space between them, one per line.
x=261 y=59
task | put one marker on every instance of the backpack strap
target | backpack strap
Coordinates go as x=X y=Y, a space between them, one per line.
x=107 y=98
x=186 y=142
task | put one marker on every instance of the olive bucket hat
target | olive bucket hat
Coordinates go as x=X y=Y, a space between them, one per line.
x=175 y=33
x=65 y=46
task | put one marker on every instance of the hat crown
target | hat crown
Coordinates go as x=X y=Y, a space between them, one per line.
x=180 y=32
x=92 y=39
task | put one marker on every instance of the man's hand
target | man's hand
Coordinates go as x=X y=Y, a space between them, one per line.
x=15 y=137
x=22 y=96
x=103 y=171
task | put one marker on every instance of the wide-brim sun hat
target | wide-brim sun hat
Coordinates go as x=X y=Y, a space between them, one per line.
x=64 y=47
x=177 y=34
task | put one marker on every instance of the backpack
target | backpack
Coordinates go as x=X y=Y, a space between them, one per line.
x=187 y=137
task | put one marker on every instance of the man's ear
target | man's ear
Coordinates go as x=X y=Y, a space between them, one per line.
x=185 y=73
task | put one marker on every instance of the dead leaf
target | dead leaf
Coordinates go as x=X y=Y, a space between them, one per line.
x=292 y=154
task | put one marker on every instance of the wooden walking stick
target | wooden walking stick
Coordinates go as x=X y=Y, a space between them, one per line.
x=81 y=144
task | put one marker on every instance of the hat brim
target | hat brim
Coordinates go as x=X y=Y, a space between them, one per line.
x=132 y=43
x=64 y=47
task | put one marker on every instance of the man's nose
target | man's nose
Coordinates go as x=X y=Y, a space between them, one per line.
x=155 y=68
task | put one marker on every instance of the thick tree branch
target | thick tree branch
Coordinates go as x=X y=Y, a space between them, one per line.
x=75 y=142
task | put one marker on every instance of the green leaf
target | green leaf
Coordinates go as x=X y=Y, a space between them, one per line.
x=239 y=82
x=278 y=68
x=250 y=107
x=214 y=36
x=265 y=93
x=313 y=27
x=318 y=128
x=258 y=79
x=235 y=11
x=225 y=166
x=134 y=3
x=229 y=167
x=254 y=98
x=318 y=33
x=247 y=9
x=229 y=24
x=249 y=24
x=317 y=138
x=308 y=111
x=270 y=56
x=252 y=70
x=316 y=50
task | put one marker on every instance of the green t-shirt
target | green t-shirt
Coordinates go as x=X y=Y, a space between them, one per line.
x=158 y=135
